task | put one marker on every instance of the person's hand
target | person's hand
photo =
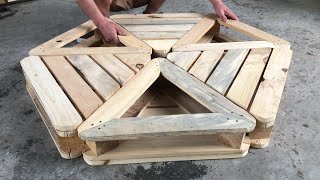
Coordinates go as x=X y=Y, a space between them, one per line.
x=110 y=31
x=224 y=12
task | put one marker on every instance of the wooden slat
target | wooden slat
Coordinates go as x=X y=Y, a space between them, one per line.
x=87 y=50
x=267 y=99
x=156 y=21
x=99 y=148
x=124 y=98
x=131 y=40
x=82 y=96
x=243 y=87
x=162 y=111
x=159 y=35
x=156 y=28
x=227 y=46
x=165 y=15
x=161 y=47
x=119 y=71
x=134 y=61
x=197 y=31
x=208 y=37
x=202 y=93
x=166 y=125
x=62 y=114
x=184 y=59
x=224 y=74
x=203 y=67
x=252 y=32
x=99 y=80
x=222 y=37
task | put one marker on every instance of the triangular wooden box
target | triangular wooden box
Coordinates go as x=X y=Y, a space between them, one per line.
x=204 y=95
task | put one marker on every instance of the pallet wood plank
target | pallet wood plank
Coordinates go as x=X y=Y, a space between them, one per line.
x=131 y=40
x=99 y=148
x=124 y=98
x=207 y=61
x=156 y=21
x=159 y=35
x=99 y=80
x=252 y=32
x=162 y=111
x=119 y=71
x=184 y=59
x=197 y=31
x=156 y=28
x=161 y=47
x=87 y=50
x=243 y=87
x=166 y=125
x=226 y=71
x=165 y=15
x=227 y=46
x=134 y=61
x=62 y=113
x=267 y=99
x=202 y=93
x=79 y=92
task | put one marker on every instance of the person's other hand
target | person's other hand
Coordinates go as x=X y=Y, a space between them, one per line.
x=224 y=12
x=110 y=31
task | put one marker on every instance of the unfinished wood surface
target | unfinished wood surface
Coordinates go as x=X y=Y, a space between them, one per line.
x=166 y=125
x=160 y=111
x=226 y=71
x=132 y=41
x=69 y=36
x=119 y=71
x=226 y=46
x=260 y=137
x=164 y=15
x=124 y=98
x=208 y=37
x=161 y=47
x=202 y=93
x=207 y=61
x=134 y=61
x=243 y=87
x=99 y=80
x=252 y=32
x=156 y=28
x=267 y=99
x=197 y=31
x=62 y=113
x=222 y=37
x=156 y=21
x=232 y=140
x=168 y=149
x=159 y=35
x=79 y=92
x=184 y=59
x=89 y=42
x=99 y=148
x=143 y=100
x=87 y=50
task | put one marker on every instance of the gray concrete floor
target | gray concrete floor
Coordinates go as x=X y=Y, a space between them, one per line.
x=28 y=152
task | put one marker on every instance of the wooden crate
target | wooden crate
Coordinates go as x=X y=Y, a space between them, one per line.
x=204 y=95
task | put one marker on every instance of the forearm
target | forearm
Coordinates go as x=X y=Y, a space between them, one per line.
x=90 y=8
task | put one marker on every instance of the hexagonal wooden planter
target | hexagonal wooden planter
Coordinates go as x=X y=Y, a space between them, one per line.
x=204 y=95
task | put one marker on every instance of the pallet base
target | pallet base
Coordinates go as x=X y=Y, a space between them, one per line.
x=167 y=149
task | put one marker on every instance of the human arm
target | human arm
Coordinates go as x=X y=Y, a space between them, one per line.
x=223 y=11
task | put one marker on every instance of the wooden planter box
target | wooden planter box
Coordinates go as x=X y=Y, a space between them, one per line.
x=181 y=87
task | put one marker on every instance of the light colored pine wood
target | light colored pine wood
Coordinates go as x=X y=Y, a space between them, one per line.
x=159 y=35
x=267 y=99
x=134 y=61
x=119 y=71
x=99 y=80
x=222 y=37
x=156 y=21
x=165 y=125
x=88 y=42
x=61 y=112
x=208 y=37
x=99 y=148
x=227 y=46
x=87 y=50
x=168 y=149
x=161 y=111
x=156 y=28
x=260 y=137
x=226 y=71
x=184 y=59
x=197 y=31
x=79 y=92
x=165 y=15
x=252 y=32
x=232 y=140
x=132 y=41
x=202 y=93
x=161 y=47
x=207 y=61
x=124 y=98
x=243 y=87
